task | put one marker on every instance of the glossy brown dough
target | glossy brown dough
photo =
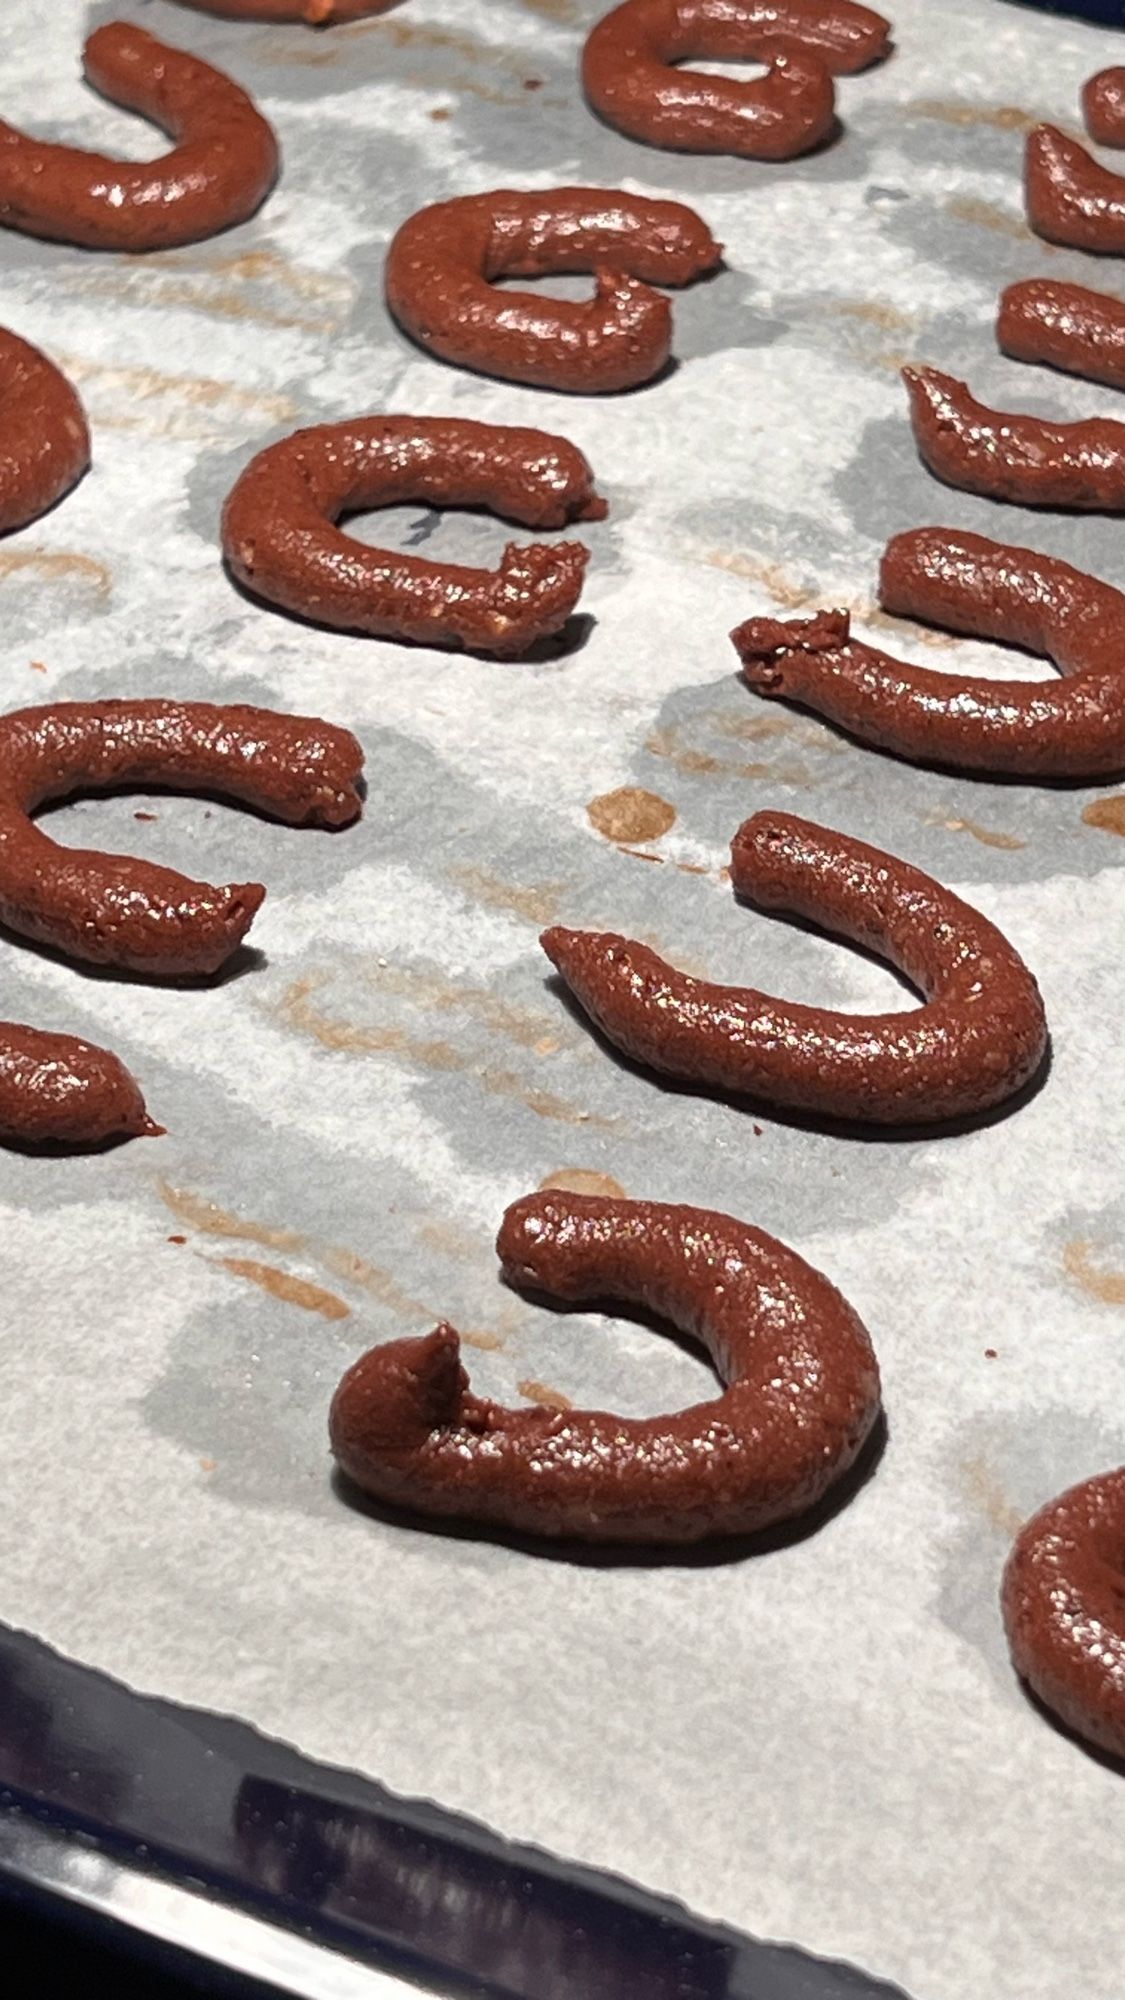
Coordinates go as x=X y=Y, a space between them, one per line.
x=1032 y=729
x=44 y=436
x=630 y=73
x=1070 y=198
x=281 y=541
x=315 y=13
x=1012 y=457
x=58 y=1090
x=223 y=165
x=1064 y=1608
x=1065 y=326
x=1103 y=107
x=110 y=910
x=980 y=1036
x=442 y=264
x=801 y=1389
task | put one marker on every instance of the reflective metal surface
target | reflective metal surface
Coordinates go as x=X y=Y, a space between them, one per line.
x=194 y=1831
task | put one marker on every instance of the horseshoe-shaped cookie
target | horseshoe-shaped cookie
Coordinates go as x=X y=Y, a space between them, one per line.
x=980 y=1036
x=1064 y=1608
x=222 y=166
x=108 y=909
x=800 y=1398
x=281 y=541
x=442 y=265
x=1032 y=729
x=1103 y=107
x=630 y=73
x=44 y=436
x=59 y=1090
x=1064 y=326
x=1010 y=457
x=315 y=13
x=1070 y=198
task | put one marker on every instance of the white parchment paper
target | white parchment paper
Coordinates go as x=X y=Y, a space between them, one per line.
x=824 y=1742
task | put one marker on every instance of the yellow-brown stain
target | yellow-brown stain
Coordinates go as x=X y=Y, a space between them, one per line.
x=667 y=742
x=894 y=359
x=297 y=1012
x=1108 y=815
x=542 y=1392
x=283 y=1285
x=449 y=1241
x=999 y=117
x=1107 y=1286
x=538 y=902
x=754 y=728
x=582 y=1180
x=565 y=12
x=903 y=628
x=875 y=312
x=988 y=215
x=419 y=35
x=987 y=835
x=228 y=286
x=148 y=386
x=145 y=383
x=488 y=1343
x=201 y=1213
x=630 y=814
x=58 y=565
x=38 y=667
x=196 y=296
x=775 y=581
x=517 y=1024
x=988 y=1497
x=270 y=267
x=369 y=1277
x=207 y=1465
x=209 y=1219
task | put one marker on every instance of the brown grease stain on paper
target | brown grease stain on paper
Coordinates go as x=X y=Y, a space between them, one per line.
x=149 y=385
x=582 y=1180
x=1108 y=1287
x=539 y=903
x=1108 y=815
x=296 y=1011
x=988 y=1497
x=630 y=814
x=988 y=215
x=217 y=284
x=565 y=12
x=210 y=1220
x=875 y=312
x=419 y=35
x=55 y=565
x=528 y=1030
x=542 y=1392
x=778 y=584
x=667 y=742
x=986 y=835
x=282 y=1285
x=1000 y=117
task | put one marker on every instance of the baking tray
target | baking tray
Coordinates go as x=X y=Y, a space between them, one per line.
x=818 y=1741
x=150 y=1816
